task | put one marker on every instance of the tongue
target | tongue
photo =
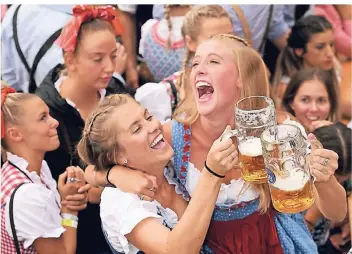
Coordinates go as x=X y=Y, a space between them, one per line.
x=205 y=91
x=159 y=145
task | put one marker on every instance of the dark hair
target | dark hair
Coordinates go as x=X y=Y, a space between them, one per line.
x=337 y=137
x=304 y=28
x=288 y=61
x=93 y=25
x=312 y=74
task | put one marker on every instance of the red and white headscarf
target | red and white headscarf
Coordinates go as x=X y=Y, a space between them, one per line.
x=83 y=13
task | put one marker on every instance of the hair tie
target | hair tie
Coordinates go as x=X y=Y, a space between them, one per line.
x=4 y=92
x=83 y=13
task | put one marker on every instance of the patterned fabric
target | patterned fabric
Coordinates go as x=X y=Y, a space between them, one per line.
x=161 y=62
x=84 y=13
x=10 y=179
x=290 y=229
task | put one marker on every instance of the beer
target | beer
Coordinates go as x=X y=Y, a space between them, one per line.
x=252 y=161
x=293 y=193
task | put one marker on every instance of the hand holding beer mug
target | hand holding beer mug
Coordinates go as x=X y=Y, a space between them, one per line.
x=253 y=115
x=285 y=153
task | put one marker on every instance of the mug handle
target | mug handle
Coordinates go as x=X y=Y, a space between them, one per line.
x=229 y=134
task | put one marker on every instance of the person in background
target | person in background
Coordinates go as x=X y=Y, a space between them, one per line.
x=40 y=221
x=37 y=27
x=311 y=97
x=310 y=44
x=340 y=16
x=162 y=45
x=73 y=91
x=35 y=24
x=258 y=18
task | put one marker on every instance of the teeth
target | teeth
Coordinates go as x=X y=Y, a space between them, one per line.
x=157 y=140
x=313 y=118
x=202 y=83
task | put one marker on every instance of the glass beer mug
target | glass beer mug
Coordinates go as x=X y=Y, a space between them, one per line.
x=252 y=115
x=285 y=153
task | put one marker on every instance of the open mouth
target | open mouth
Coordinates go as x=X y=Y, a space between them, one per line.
x=205 y=90
x=158 y=142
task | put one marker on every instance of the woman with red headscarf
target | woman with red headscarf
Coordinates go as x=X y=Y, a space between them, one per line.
x=32 y=219
x=73 y=91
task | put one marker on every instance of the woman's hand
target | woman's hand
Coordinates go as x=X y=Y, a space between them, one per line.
x=222 y=156
x=127 y=180
x=322 y=162
x=71 y=185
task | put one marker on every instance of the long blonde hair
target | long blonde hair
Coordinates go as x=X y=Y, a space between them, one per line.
x=253 y=75
x=191 y=27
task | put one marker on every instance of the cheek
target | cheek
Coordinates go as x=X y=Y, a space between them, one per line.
x=226 y=86
x=298 y=107
x=326 y=110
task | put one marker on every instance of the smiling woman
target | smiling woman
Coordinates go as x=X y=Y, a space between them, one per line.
x=311 y=97
x=72 y=92
x=34 y=214
x=121 y=132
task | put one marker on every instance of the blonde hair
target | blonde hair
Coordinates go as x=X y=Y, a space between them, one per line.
x=253 y=75
x=13 y=109
x=98 y=145
x=167 y=10
x=191 y=27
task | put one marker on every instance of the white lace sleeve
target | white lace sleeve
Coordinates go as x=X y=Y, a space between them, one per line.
x=120 y=212
x=146 y=27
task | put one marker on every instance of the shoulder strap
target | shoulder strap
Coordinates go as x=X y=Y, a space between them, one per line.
x=12 y=222
x=244 y=23
x=15 y=37
x=261 y=47
x=42 y=51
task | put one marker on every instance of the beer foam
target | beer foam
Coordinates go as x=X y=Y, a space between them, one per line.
x=251 y=147
x=296 y=181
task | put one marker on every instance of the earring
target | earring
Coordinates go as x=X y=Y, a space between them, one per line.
x=125 y=162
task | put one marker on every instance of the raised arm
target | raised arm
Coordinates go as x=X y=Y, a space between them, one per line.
x=329 y=193
x=188 y=236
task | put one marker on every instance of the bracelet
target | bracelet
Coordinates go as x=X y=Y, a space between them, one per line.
x=211 y=171
x=69 y=216
x=69 y=223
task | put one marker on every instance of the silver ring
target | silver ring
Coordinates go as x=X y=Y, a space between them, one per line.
x=141 y=197
x=326 y=161
x=73 y=180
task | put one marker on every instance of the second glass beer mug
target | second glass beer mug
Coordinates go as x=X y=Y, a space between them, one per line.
x=285 y=155
x=252 y=115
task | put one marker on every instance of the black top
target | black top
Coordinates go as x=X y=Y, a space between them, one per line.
x=90 y=237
